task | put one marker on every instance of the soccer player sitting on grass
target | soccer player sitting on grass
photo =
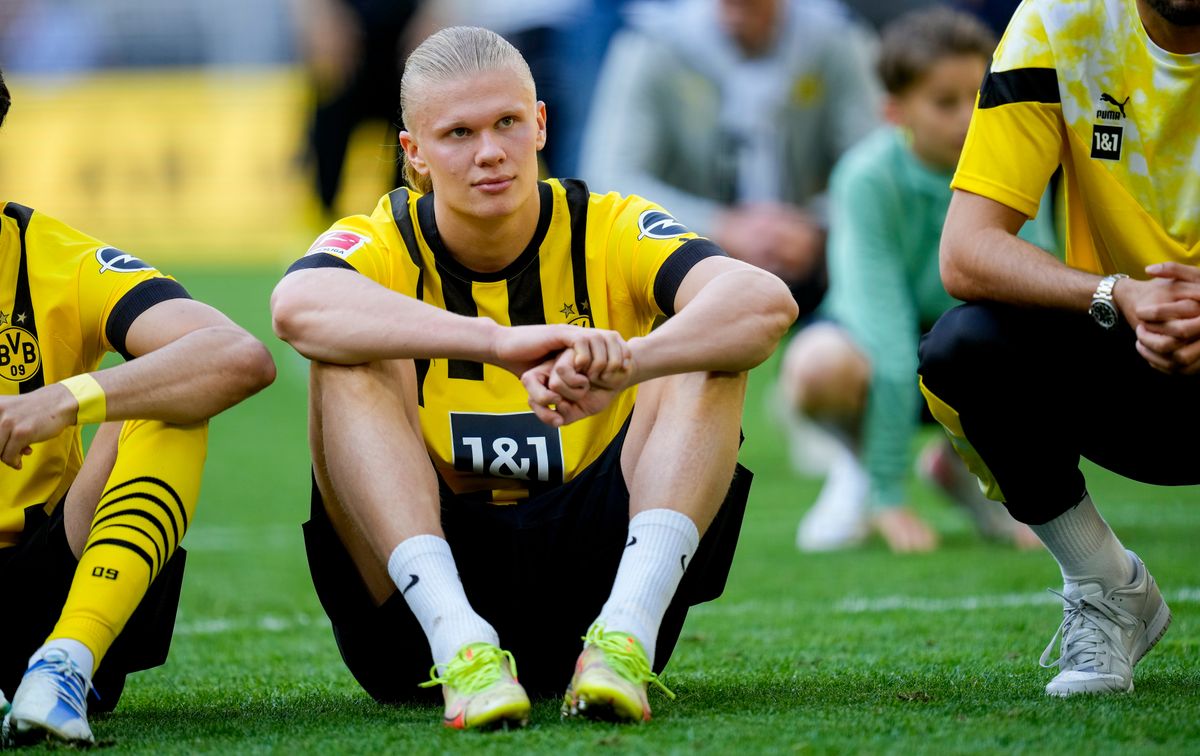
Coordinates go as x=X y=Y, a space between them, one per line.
x=1096 y=358
x=857 y=370
x=457 y=405
x=86 y=543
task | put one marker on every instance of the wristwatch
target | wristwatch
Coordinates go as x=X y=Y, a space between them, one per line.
x=1103 y=309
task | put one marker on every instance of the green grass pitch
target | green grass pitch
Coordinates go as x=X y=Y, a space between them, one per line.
x=859 y=651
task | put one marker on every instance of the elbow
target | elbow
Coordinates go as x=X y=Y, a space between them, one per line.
x=777 y=311
x=251 y=365
x=954 y=279
x=286 y=313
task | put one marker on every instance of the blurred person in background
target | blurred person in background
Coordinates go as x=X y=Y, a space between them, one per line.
x=1049 y=362
x=89 y=546
x=732 y=113
x=856 y=371
x=354 y=51
x=484 y=378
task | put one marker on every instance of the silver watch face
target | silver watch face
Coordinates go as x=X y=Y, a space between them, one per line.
x=1104 y=313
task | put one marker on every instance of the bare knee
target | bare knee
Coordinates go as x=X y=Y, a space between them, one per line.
x=824 y=372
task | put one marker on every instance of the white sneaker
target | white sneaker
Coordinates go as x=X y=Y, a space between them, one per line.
x=839 y=518
x=1104 y=634
x=51 y=700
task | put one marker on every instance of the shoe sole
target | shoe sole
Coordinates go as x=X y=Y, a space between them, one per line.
x=37 y=734
x=512 y=715
x=605 y=706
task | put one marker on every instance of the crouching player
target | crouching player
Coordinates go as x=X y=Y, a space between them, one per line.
x=89 y=547
x=448 y=516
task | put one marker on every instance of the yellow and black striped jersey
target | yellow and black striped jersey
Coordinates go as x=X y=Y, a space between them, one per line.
x=1082 y=85
x=603 y=261
x=65 y=300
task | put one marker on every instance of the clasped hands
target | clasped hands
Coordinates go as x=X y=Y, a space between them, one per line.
x=569 y=372
x=1165 y=314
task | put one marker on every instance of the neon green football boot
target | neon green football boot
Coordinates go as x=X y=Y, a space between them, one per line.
x=481 y=689
x=611 y=678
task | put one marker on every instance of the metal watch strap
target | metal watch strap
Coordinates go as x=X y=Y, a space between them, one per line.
x=1104 y=290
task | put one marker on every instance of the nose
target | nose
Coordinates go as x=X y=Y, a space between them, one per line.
x=490 y=151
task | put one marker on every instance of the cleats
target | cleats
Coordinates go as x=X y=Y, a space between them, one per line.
x=611 y=679
x=481 y=689
x=1105 y=633
x=51 y=701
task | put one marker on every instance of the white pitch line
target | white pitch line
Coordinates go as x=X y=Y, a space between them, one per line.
x=861 y=605
x=266 y=623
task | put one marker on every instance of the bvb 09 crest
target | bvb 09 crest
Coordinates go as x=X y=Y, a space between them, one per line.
x=20 y=357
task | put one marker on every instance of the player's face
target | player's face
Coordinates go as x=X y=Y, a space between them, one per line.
x=477 y=137
x=937 y=108
x=1177 y=12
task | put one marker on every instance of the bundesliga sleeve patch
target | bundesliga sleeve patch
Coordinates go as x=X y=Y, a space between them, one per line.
x=111 y=258
x=656 y=224
x=340 y=243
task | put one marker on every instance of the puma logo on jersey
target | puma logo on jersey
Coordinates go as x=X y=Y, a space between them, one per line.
x=111 y=258
x=1109 y=115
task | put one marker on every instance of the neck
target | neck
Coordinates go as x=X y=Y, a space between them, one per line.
x=1181 y=40
x=487 y=245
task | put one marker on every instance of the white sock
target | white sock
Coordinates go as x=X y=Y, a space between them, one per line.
x=75 y=651
x=423 y=569
x=1086 y=547
x=660 y=544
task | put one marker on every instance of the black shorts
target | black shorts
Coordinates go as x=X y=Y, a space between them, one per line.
x=538 y=571
x=36 y=576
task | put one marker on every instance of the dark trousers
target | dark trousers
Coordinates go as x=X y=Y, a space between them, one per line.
x=1037 y=389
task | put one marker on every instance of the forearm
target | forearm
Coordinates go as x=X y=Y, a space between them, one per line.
x=888 y=427
x=983 y=259
x=189 y=380
x=733 y=324
x=341 y=318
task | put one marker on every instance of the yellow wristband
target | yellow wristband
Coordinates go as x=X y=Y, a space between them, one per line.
x=87 y=391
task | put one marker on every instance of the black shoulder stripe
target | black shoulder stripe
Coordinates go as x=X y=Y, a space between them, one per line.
x=577 y=204
x=136 y=301
x=676 y=268
x=320 y=260
x=404 y=224
x=1019 y=85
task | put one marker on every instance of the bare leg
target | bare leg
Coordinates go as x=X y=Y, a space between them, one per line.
x=370 y=462
x=682 y=444
x=381 y=495
x=88 y=486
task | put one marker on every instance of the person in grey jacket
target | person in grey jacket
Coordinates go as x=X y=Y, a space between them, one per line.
x=732 y=113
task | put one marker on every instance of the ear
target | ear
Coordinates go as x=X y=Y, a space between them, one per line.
x=412 y=153
x=541 y=124
x=893 y=109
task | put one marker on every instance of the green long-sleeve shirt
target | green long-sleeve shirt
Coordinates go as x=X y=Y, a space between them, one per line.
x=887 y=211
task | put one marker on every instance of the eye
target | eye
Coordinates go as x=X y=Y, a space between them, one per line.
x=460 y=132
x=506 y=121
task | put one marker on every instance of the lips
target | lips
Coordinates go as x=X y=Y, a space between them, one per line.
x=494 y=184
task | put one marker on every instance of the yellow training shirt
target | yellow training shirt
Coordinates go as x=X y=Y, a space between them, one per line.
x=65 y=300
x=603 y=261
x=1081 y=84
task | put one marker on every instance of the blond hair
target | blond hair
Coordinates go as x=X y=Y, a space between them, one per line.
x=449 y=54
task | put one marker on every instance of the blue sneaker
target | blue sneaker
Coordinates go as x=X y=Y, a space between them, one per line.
x=51 y=700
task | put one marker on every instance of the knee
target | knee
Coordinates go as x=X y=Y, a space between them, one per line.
x=356 y=383
x=962 y=347
x=824 y=370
